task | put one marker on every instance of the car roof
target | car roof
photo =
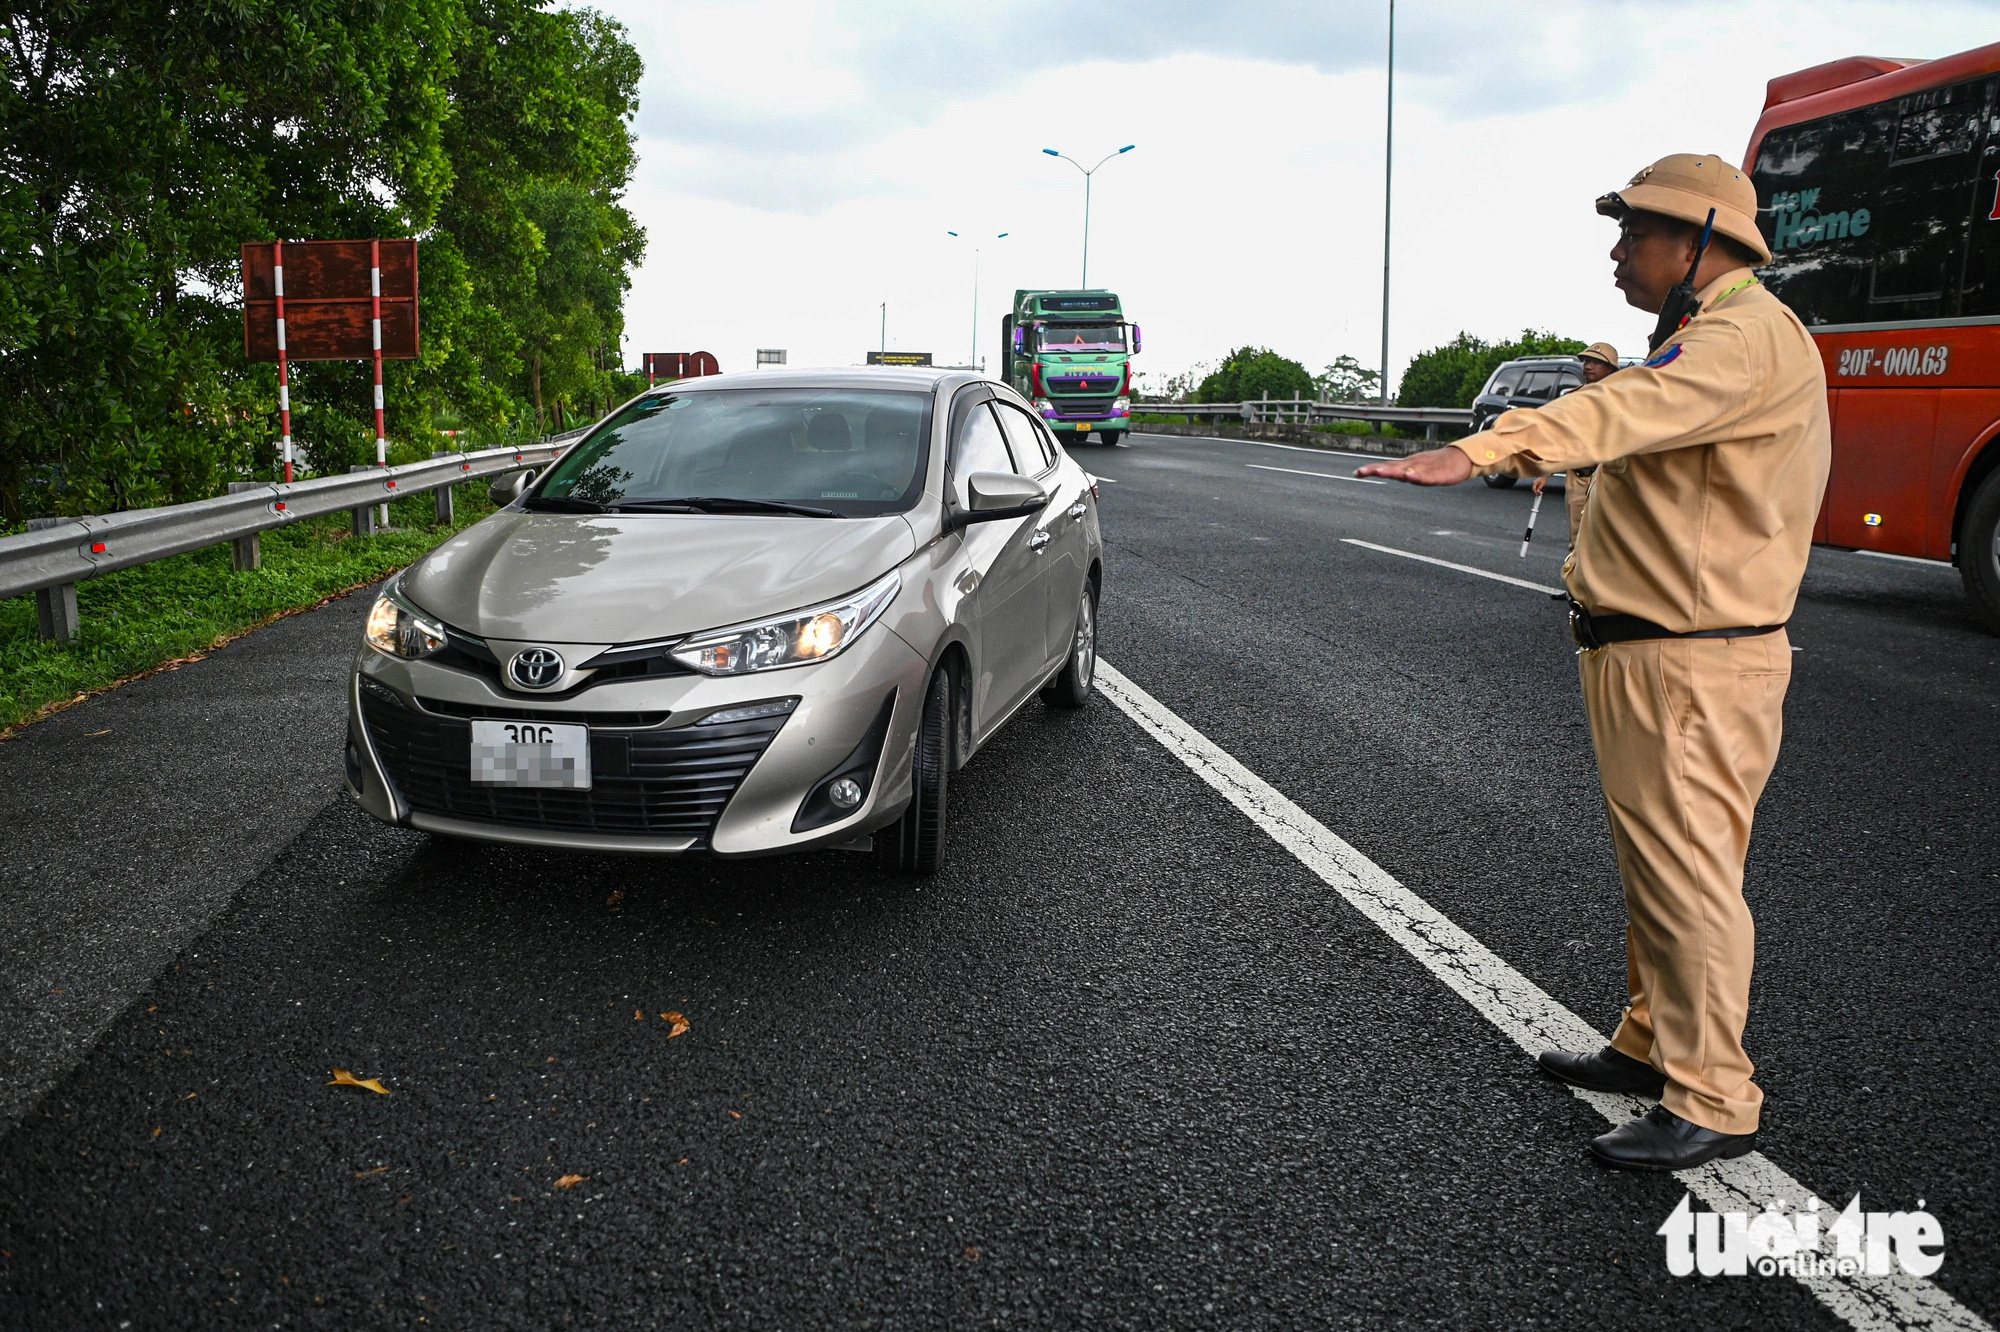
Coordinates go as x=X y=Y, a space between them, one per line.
x=921 y=377
x=1536 y=360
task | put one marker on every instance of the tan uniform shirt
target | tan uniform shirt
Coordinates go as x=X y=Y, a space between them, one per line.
x=1712 y=459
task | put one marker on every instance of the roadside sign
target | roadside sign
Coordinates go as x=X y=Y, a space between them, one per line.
x=330 y=301
x=898 y=358
x=770 y=356
x=677 y=365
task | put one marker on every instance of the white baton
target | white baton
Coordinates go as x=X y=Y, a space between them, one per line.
x=1531 y=526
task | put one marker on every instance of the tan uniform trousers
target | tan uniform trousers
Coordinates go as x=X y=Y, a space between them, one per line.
x=1576 y=489
x=1686 y=732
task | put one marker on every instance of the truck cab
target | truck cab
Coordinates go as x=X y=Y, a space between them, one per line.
x=1070 y=353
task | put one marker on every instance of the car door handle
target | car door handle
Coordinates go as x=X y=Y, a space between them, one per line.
x=1039 y=539
x=1078 y=509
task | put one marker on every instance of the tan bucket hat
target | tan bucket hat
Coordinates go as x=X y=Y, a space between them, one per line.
x=1686 y=186
x=1604 y=351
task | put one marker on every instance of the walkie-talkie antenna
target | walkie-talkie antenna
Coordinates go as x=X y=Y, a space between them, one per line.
x=1680 y=305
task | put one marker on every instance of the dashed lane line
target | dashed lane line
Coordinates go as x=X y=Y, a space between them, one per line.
x=1516 y=1005
x=1462 y=568
x=1331 y=476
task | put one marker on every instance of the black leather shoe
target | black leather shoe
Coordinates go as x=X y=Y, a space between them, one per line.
x=1608 y=1070
x=1661 y=1140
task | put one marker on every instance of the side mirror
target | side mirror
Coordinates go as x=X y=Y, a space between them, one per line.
x=997 y=495
x=509 y=487
x=1138 y=343
x=1020 y=340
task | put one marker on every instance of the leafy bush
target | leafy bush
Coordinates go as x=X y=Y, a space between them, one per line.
x=1251 y=372
x=1452 y=375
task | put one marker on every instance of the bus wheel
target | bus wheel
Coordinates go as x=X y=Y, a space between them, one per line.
x=1979 y=552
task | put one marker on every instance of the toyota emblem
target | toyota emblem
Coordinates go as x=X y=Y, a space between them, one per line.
x=535 y=668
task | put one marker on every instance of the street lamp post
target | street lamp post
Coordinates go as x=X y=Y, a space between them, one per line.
x=1088 y=172
x=1388 y=180
x=973 y=360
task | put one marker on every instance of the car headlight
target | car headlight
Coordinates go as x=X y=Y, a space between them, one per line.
x=795 y=639
x=398 y=629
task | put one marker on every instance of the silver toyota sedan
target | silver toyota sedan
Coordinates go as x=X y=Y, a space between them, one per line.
x=745 y=614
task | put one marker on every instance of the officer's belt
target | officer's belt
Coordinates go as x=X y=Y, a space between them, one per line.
x=1585 y=471
x=1596 y=631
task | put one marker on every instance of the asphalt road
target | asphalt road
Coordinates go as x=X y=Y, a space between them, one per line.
x=1127 y=1064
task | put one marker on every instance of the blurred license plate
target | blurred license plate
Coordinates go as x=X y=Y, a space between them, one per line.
x=531 y=754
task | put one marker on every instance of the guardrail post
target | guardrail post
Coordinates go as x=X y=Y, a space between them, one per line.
x=247 y=550
x=55 y=607
x=364 y=517
x=1431 y=433
x=443 y=493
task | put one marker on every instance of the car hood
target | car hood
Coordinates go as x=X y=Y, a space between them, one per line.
x=626 y=578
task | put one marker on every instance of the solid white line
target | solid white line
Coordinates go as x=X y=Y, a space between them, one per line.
x=1515 y=1004
x=1462 y=568
x=1909 y=559
x=1267 y=444
x=1331 y=476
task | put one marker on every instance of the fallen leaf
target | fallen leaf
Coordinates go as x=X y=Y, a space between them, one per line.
x=735 y=1115
x=190 y=1096
x=615 y=898
x=638 y=1016
x=342 y=1078
x=972 y=1254
x=680 y=1024
x=684 y=1160
x=154 y=1009
x=92 y=735
x=158 y=1131
x=363 y=1174
x=570 y=1181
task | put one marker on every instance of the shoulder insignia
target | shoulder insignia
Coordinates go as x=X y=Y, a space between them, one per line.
x=1664 y=358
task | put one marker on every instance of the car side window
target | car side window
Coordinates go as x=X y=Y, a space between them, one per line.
x=1029 y=458
x=1535 y=384
x=1504 y=380
x=980 y=447
x=1570 y=379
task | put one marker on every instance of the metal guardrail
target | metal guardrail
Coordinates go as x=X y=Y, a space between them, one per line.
x=57 y=554
x=1307 y=411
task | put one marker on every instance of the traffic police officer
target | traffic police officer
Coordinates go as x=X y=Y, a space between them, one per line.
x=1711 y=460
x=1599 y=359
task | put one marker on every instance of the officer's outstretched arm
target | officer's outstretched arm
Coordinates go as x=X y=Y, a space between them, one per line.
x=1689 y=394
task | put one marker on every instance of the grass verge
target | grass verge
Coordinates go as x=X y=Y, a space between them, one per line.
x=172 y=611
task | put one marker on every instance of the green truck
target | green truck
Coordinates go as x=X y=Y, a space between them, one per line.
x=1070 y=353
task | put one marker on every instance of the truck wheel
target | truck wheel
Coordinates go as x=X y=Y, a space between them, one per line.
x=1979 y=552
x=1499 y=482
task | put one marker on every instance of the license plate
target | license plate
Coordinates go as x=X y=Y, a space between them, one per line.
x=538 y=754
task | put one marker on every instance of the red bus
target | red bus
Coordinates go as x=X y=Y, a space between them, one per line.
x=1880 y=189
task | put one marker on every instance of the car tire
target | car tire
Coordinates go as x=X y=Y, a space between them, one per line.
x=914 y=844
x=1979 y=552
x=1500 y=482
x=1071 y=686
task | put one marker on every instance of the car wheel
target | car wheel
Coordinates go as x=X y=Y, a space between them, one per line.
x=914 y=844
x=1071 y=687
x=1979 y=552
x=1500 y=482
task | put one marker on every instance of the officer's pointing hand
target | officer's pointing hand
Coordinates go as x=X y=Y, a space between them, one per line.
x=1434 y=467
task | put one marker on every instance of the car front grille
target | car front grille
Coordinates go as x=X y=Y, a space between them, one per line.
x=1067 y=407
x=670 y=782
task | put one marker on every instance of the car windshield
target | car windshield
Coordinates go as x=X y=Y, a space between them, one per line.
x=1083 y=337
x=853 y=452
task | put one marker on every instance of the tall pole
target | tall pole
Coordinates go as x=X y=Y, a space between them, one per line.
x=973 y=362
x=375 y=304
x=885 y=328
x=1085 y=282
x=1388 y=180
x=284 y=377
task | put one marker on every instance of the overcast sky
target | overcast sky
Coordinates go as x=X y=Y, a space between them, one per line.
x=801 y=163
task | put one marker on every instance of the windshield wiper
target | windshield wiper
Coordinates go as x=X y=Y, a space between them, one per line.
x=562 y=504
x=723 y=504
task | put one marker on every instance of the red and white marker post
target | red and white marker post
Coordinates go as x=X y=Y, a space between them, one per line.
x=375 y=299
x=284 y=380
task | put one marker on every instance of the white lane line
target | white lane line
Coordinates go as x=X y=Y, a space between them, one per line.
x=1908 y=559
x=1462 y=568
x=1267 y=444
x=1516 y=1005
x=1331 y=476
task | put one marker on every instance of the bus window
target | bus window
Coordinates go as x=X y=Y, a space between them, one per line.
x=1867 y=210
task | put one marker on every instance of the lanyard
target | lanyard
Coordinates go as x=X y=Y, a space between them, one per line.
x=1750 y=281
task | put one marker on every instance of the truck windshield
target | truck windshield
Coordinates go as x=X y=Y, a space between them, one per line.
x=1083 y=337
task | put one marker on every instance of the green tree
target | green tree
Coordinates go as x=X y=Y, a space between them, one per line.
x=1453 y=375
x=1347 y=380
x=1251 y=372
x=143 y=141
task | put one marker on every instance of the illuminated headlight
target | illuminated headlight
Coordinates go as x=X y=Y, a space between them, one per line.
x=1042 y=406
x=797 y=639
x=398 y=629
x=1121 y=406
